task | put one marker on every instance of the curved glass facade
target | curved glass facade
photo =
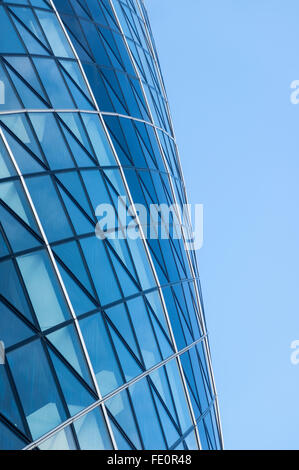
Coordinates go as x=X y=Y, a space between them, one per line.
x=105 y=340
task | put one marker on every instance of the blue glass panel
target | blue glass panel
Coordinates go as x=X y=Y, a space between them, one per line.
x=130 y=367
x=101 y=353
x=203 y=436
x=54 y=34
x=146 y=416
x=18 y=237
x=51 y=140
x=8 y=406
x=53 y=83
x=144 y=332
x=6 y=167
x=30 y=40
x=98 y=139
x=36 y=387
x=79 y=300
x=122 y=443
x=191 y=441
x=26 y=15
x=92 y=432
x=120 y=408
x=70 y=255
x=67 y=343
x=18 y=124
x=7 y=31
x=63 y=440
x=16 y=331
x=178 y=395
x=75 y=394
x=76 y=74
x=73 y=184
x=9 y=440
x=43 y=289
x=119 y=317
x=8 y=98
x=13 y=195
x=101 y=270
x=11 y=289
x=29 y=99
x=49 y=208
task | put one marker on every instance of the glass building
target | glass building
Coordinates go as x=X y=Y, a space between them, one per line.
x=105 y=340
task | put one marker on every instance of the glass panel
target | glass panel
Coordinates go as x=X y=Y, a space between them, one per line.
x=49 y=208
x=9 y=440
x=179 y=395
x=43 y=289
x=36 y=387
x=51 y=140
x=53 y=83
x=7 y=31
x=63 y=440
x=98 y=139
x=146 y=416
x=92 y=432
x=54 y=34
x=101 y=353
x=120 y=408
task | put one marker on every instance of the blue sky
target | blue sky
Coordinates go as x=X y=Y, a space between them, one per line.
x=228 y=66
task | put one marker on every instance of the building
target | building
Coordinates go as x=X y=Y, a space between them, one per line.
x=105 y=340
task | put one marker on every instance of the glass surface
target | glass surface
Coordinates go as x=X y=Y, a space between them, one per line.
x=92 y=432
x=7 y=31
x=43 y=289
x=36 y=387
x=101 y=353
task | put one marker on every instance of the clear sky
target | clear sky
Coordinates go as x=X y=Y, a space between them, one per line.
x=228 y=66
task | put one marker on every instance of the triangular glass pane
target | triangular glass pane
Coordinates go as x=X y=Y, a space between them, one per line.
x=80 y=155
x=3 y=246
x=14 y=44
x=27 y=17
x=6 y=167
x=119 y=317
x=101 y=353
x=165 y=347
x=67 y=343
x=76 y=396
x=120 y=408
x=80 y=99
x=171 y=432
x=122 y=443
x=12 y=194
x=19 y=126
x=8 y=98
x=29 y=99
x=51 y=140
x=81 y=224
x=73 y=184
x=71 y=257
x=127 y=284
x=16 y=331
x=24 y=67
x=10 y=288
x=24 y=159
x=18 y=236
x=129 y=366
x=33 y=46
x=80 y=302
x=8 y=406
